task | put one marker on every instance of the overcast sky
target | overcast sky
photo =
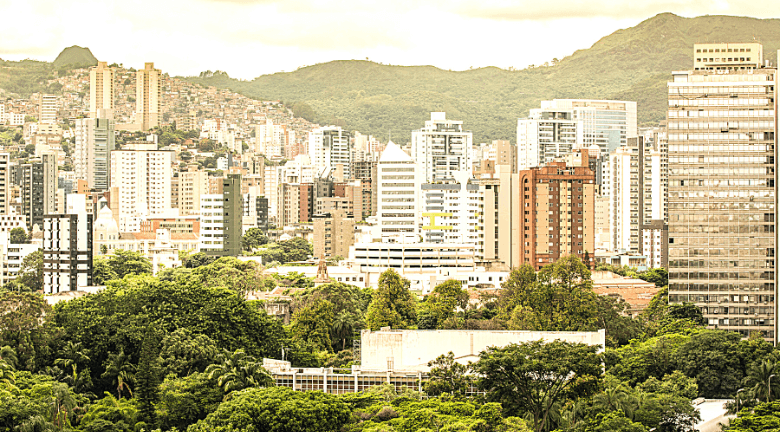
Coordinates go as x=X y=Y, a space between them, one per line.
x=247 y=38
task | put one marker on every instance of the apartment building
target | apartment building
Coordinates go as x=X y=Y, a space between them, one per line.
x=329 y=148
x=67 y=248
x=400 y=179
x=101 y=91
x=94 y=142
x=334 y=234
x=193 y=183
x=148 y=83
x=221 y=219
x=450 y=212
x=47 y=109
x=442 y=148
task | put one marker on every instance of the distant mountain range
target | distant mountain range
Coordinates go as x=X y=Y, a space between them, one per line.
x=631 y=64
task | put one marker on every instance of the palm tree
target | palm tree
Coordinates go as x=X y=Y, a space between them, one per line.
x=36 y=424
x=119 y=367
x=760 y=376
x=613 y=398
x=72 y=355
x=62 y=403
x=344 y=325
x=7 y=374
x=237 y=371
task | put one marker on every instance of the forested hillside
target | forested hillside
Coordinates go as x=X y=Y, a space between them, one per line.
x=632 y=64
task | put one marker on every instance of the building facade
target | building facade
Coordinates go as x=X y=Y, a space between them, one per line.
x=147 y=97
x=442 y=148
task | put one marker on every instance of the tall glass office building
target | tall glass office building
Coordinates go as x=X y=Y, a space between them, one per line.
x=722 y=197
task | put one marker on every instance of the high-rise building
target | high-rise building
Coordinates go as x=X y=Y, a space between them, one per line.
x=558 y=205
x=47 y=109
x=38 y=183
x=722 y=143
x=91 y=154
x=450 y=212
x=502 y=152
x=334 y=234
x=442 y=148
x=728 y=56
x=147 y=97
x=654 y=193
x=400 y=179
x=101 y=91
x=624 y=199
x=5 y=183
x=221 y=219
x=561 y=125
x=329 y=148
x=142 y=174
x=67 y=248
x=193 y=183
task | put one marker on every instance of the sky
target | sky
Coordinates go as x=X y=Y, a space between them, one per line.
x=248 y=38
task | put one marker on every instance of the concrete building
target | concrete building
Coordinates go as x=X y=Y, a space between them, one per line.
x=221 y=219
x=400 y=181
x=193 y=183
x=727 y=56
x=94 y=143
x=5 y=183
x=38 y=183
x=722 y=144
x=329 y=148
x=11 y=257
x=450 y=212
x=558 y=205
x=501 y=152
x=142 y=175
x=654 y=191
x=544 y=136
x=47 y=109
x=624 y=201
x=147 y=97
x=334 y=234
x=101 y=91
x=67 y=248
x=441 y=148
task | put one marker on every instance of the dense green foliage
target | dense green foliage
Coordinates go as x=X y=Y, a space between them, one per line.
x=632 y=64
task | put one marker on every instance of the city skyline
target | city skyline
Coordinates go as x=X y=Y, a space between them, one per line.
x=267 y=36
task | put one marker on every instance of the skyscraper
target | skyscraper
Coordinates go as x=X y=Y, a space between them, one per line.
x=147 y=97
x=47 y=109
x=442 y=148
x=221 y=218
x=67 y=248
x=722 y=193
x=101 y=91
x=329 y=148
x=400 y=180
x=38 y=182
x=91 y=155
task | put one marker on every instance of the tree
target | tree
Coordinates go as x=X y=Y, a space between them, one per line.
x=236 y=370
x=119 y=368
x=197 y=260
x=444 y=299
x=18 y=236
x=102 y=271
x=125 y=263
x=148 y=379
x=22 y=318
x=110 y=414
x=31 y=271
x=349 y=305
x=393 y=304
x=277 y=409
x=72 y=355
x=253 y=238
x=760 y=377
x=709 y=356
x=764 y=417
x=184 y=352
x=447 y=376
x=535 y=376
x=312 y=325
x=185 y=400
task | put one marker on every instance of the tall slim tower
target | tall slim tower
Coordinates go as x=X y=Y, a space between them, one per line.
x=91 y=157
x=101 y=91
x=722 y=139
x=442 y=148
x=147 y=97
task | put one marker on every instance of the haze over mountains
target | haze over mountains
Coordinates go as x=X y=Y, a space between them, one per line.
x=384 y=100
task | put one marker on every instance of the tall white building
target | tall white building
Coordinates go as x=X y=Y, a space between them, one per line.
x=624 y=202
x=563 y=124
x=442 y=148
x=655 y=189
x=272 y=179
x=5 y=183
x=143 y=177
x=400 y=182
x=329 y=147
x=147 y=97
x=91 y=155
x=47 y=110
x=451 y=210
x=101 y=91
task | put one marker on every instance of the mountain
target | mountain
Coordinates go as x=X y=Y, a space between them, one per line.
x=629 y=64
x=75 y=57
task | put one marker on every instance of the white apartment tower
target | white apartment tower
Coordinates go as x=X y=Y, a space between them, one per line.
x=544 y=136
x=442 y=148
x=451 y=211
x=193 y=184
x=147 y=97
x=47 y=109
x=5 y=183
x=329 y=147
x=400 y=182
x=142 y=174
x=624 y=197
x=101 y=91
x=67 y=248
